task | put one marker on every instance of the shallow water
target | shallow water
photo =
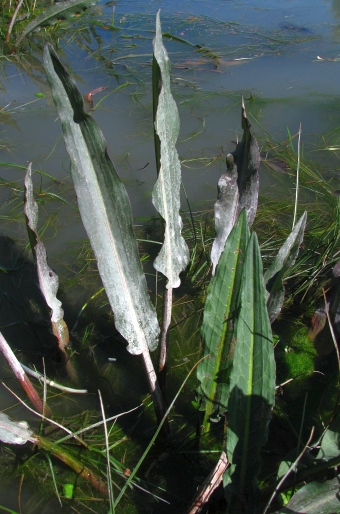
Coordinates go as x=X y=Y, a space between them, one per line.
x=266 y=50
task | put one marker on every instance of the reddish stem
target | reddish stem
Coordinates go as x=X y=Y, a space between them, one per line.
x=23 y=379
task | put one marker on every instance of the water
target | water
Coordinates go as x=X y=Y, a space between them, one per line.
x=266 y=50
x=276 y=47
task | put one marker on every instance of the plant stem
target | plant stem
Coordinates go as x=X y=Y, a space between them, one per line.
x=167 y=309
x=23 y=379
x=72 y=462
x=14 y=17
x=155 y=390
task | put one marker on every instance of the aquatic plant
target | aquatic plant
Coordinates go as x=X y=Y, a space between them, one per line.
x=237 y=370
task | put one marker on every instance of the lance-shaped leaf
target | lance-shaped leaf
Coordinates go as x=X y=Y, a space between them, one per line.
x=220 y=316
x=247 y=159
x=106 y=213
x=225 y=209
x=284 y=259
x=48 y=279
x=174 y=255
x=252 y=387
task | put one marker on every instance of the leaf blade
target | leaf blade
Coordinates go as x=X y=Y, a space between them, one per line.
x=106 y=213
x=174 y=255
x=218 y=321
x=252 y=385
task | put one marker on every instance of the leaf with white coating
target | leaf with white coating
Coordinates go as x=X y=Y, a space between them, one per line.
x=225 y=210
x=285 y=258
x=14 y=432
x=174 y=255
x=106 y=213
x=48 y=279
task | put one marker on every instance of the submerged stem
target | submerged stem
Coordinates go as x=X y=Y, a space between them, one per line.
x=167 y=309
x=155 y=390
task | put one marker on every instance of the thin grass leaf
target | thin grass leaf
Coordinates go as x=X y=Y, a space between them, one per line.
x=174 y=255
x=48 y=458
x=51 y=12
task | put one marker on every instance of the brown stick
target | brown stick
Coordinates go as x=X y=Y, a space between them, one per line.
x=209 y=485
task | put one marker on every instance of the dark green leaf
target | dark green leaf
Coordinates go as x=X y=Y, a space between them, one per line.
x=220 y=315
x=252 y=387
x=315 y=498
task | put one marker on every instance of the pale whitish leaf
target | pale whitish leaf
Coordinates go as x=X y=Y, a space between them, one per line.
x=174 y=255
x=106 y=213
x=14 y=432
x=247 y=158
x=285 y=258
x=225 y=209
x=48 y=279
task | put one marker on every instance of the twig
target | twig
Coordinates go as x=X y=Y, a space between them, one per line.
x=209 y=485
x=51 y=383
x=42 y=416
x=279 y=485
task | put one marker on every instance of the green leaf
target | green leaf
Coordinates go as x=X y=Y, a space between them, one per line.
x=330 y=444
x=220 y=313
x=247 y=159
x=252 y=387
x=285 y=258
x=315 y=498
x=106 y=213
x=51 y=12
x=225 y=209
x=174 y=255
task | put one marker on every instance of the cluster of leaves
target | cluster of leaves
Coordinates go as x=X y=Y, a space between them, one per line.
x=237 y=371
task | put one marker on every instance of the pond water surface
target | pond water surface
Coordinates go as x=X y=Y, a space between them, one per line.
x=283 y=56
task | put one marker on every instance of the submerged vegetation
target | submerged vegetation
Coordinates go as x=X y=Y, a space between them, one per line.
x=242 y=410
